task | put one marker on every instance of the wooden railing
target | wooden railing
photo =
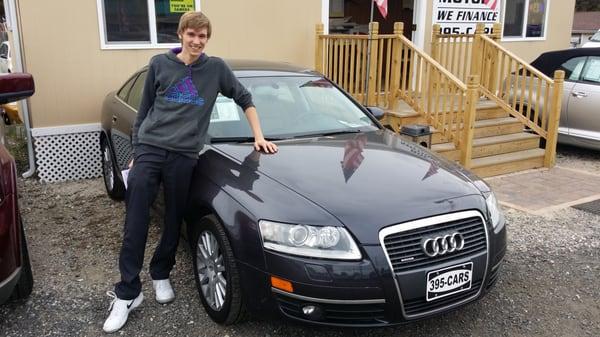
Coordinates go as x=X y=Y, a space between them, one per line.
x=343 y=59
x=445 y=101
x=453 y=52
x=397 y=69
x=527 y=94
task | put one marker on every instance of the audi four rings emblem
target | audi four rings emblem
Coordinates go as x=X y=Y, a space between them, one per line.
x=444 y=244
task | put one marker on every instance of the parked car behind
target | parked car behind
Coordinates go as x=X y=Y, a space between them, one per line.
x=5 y=58
x=579 y=123
x=347 y=225
x=16 y=279
x=594 y=41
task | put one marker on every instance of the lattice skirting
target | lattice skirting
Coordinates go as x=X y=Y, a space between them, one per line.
x=69 y=156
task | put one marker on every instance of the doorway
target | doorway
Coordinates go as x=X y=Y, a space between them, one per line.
x=352 y=16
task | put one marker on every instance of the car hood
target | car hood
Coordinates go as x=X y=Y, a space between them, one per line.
x=365 y=180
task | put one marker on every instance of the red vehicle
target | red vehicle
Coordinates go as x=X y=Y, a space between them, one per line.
x=16 y=279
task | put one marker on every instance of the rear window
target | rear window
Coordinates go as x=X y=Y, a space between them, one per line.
x=125 y=89
x=135 y=96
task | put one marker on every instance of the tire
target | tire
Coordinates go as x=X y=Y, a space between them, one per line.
x=112 y=181
x=6 y=119
x=219 y=266
x=25 y=284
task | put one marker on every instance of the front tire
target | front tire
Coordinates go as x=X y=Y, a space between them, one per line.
x=114 y=186
x=215 y=271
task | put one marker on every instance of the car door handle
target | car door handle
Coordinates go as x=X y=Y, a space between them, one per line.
x=579 y=94
x=114 y=119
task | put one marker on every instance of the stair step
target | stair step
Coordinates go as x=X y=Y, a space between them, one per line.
x=404 y=114
x=490 y=113
x=447 y=150
x=497 y=127
x=443 y=147
x=489 y=146
x=508 y=162
x=487 y=128
x=483 y=112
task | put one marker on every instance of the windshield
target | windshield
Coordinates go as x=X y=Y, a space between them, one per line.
x=596 y=37
x=289 y=107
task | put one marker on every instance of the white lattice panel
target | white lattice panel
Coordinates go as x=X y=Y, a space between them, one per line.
x=68 y=156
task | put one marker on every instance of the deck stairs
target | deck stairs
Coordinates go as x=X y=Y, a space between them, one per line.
x=501 y=144
x=494 y=112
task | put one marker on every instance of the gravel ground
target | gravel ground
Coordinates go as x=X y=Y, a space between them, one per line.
x=549 y=285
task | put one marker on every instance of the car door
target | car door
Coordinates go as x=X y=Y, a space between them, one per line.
x=584 y=102
x=572 y=69
x=124 y=114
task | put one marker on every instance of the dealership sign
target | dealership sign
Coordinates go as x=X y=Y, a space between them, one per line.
x=181 y=6
x=462 y=16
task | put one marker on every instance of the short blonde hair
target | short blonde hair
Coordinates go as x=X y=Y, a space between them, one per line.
x=194 y=20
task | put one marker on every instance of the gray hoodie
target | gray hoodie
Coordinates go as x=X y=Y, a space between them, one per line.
x=177 y=101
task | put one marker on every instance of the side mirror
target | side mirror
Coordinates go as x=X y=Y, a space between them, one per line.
x=15 y=86
x=376 y=112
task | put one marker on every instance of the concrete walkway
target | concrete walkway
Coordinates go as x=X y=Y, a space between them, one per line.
x=545 y=190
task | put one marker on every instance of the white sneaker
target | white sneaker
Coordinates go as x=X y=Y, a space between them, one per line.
x=119 y=311
x=164 y=291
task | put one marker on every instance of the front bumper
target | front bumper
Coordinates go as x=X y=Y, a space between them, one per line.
x=368 y=293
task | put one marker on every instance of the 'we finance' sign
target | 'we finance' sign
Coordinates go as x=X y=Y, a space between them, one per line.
x=461 y=16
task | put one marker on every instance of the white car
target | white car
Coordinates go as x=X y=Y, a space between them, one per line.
x=5 y=58
x=594 y=41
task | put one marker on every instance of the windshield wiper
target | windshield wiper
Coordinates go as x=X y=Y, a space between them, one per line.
x=331 y=133
x=240 y=139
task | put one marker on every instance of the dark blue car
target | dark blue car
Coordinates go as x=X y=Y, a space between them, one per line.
x=347 y=225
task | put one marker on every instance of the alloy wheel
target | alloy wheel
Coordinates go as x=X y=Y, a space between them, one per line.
x=109 y=177
x=211 y=270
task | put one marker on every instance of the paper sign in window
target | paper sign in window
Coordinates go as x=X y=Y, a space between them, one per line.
x=225 y=111
x=181 y=6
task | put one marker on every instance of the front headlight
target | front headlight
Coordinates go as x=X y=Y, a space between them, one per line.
x=323 y=242
x=494 y=211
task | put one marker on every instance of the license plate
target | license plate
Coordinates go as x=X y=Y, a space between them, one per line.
x=448 y=281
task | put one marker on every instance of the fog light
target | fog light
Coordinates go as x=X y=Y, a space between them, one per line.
x=308 y=310
x=313 y=312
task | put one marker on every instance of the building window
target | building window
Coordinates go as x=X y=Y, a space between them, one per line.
x=525 y=19
x=132 y=24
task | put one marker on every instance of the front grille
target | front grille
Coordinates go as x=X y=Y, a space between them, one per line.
x=404 y=248
x=420 y=305
x=344 y=314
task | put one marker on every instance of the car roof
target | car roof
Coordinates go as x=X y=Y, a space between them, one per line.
x=256 y=68
x=242 y=64
x=550 y=61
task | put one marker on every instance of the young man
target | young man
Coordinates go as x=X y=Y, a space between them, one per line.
x=180 y=91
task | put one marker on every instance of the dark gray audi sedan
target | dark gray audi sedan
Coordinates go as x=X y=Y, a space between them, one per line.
x=347 y=225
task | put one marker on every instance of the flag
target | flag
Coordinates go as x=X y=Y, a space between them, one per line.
x=433 y=169
x=382 y=6
x=353 y=155
x=491 y=3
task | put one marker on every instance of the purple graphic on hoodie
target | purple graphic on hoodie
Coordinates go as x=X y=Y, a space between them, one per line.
x=184 y=92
